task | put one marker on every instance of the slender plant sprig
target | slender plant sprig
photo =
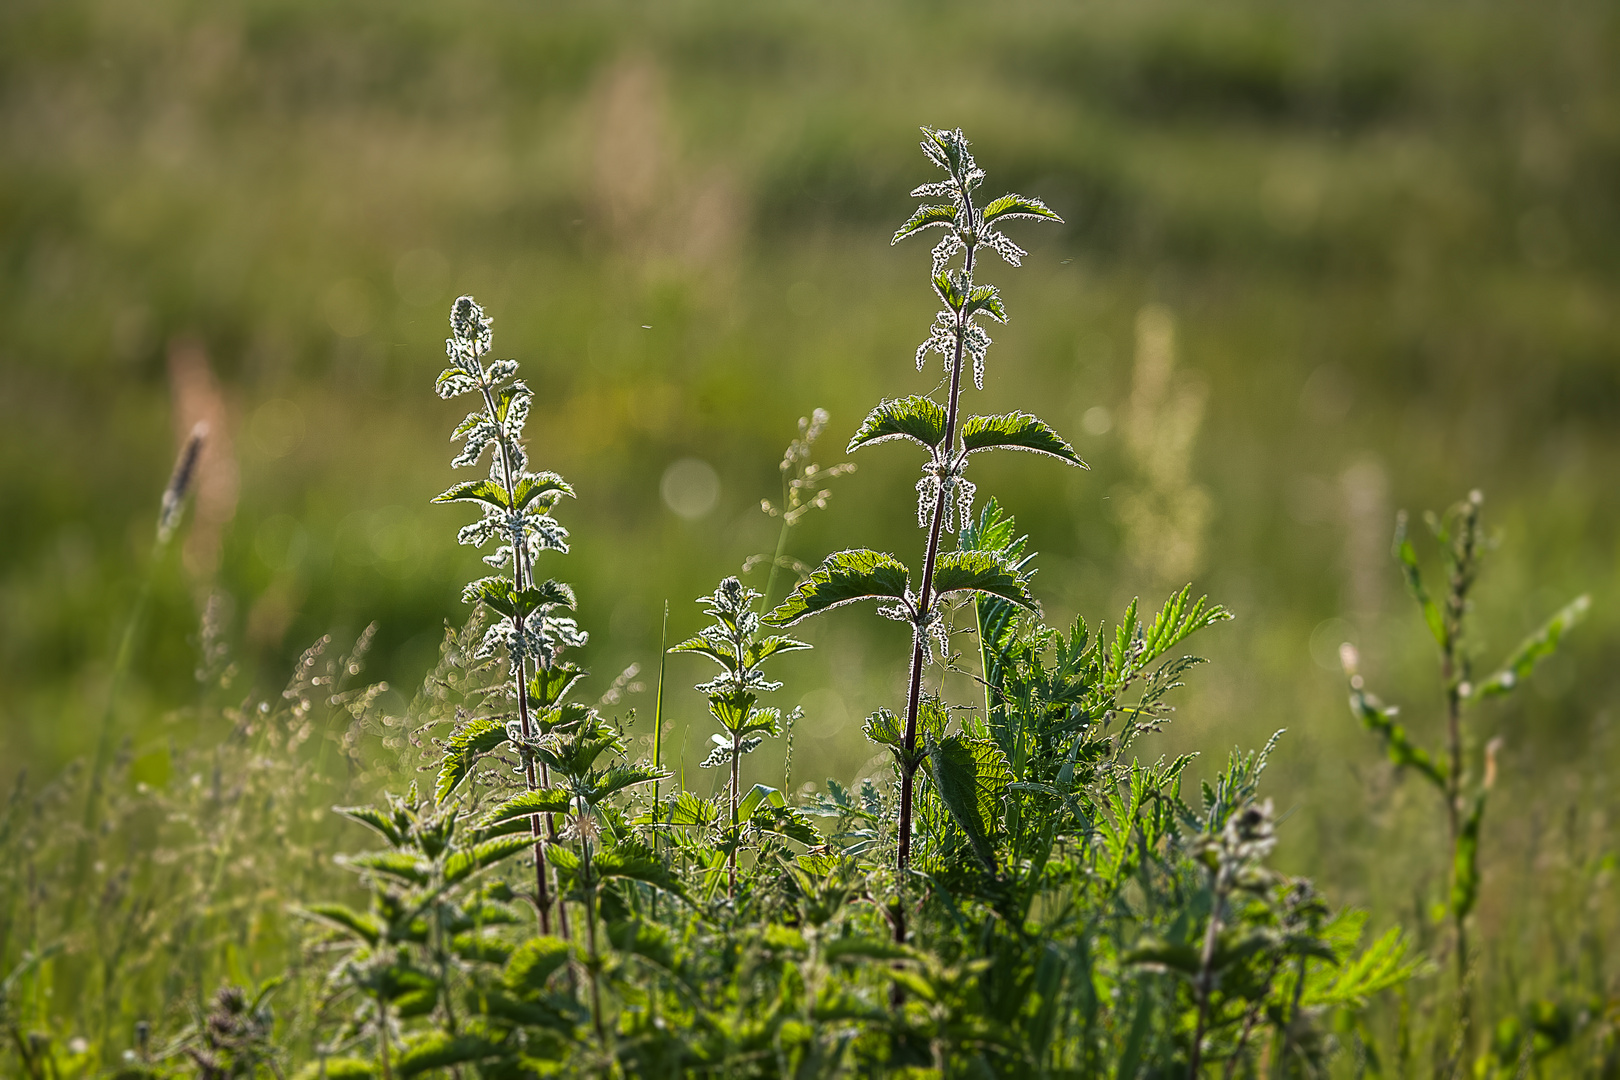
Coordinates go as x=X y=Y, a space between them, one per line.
x=803 y=490
x=733 y=642
x=944 y=494
x=587 y=755
x=1463 y=543
x=517 y=507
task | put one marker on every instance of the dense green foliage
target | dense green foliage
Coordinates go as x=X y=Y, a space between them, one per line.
x=1318 y=262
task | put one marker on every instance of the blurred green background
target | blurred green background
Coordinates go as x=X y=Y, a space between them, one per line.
x=1321 y=261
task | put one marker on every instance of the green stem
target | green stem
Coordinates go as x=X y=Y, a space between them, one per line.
x=925 y=590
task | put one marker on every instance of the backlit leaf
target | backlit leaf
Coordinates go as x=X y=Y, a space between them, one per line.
x=920 y=419
x=845 y=577
x=1017 y=431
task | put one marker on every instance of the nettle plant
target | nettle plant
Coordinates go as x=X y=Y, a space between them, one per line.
x=944 y=495
x=1026 y=895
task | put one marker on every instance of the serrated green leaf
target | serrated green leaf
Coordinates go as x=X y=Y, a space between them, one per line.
x=986 y=299
x=883 y=728
x=394 y=864
x=623 y=776
x=1017 y=431
x=467 y=861
x=1017 y=206
x=925 y=217
x=363 y=926
x=533 y=963
x=373 y=818
x=546 y=486
x=763 y=648
x=484 y=491
x=549 y=685
x=689 y=809
x=864 y=948
x=971 y=775
x=1534 y=648
x=528 y=803
x=440 y=1049
x=464 y=747
x=844 y=578
x=637 y=863
x=980 y=571
x=920 y=419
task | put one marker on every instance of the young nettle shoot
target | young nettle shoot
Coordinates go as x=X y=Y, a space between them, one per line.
x=733 y=642
x=944 y=496
x=516 y=506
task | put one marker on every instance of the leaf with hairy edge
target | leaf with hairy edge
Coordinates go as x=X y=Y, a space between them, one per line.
x=464 y=863
x=499 y=595
x=622 y=776
x=920 y=419
x=925 y=217
x=845 y=577
x=767 y=647
x=704 y=647
x=362 y=926
x=1540 y=644
x=539 y=801
x=883 y=728
x=374 y=818
x=970 y=776
x=547 y=486
x=439 y=1049
x=1017 y=431
x=1018 y=206
x=484 y=491
x=980 y=571
x=689 y=809
x=463 y=748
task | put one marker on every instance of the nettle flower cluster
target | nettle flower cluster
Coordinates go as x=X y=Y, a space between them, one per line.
x=529 y=623
x=516 y=503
